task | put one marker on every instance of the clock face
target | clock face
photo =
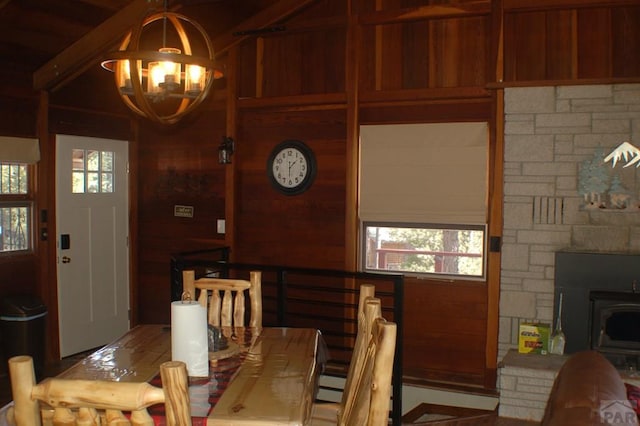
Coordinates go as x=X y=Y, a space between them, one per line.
x=291 y=167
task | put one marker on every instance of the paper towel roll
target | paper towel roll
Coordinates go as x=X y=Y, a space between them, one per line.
x=189 y=341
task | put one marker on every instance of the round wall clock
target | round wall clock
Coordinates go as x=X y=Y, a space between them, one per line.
x=291 y=167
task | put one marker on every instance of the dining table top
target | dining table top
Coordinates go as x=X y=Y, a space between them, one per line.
x=271 y=380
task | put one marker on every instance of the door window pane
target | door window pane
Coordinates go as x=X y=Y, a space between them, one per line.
x=93 y=182
x=92 y=171
x=77 y=175
x=107 y=161
x=77 y=159
x=93 y=160
x=77 y=183
x=107 y=182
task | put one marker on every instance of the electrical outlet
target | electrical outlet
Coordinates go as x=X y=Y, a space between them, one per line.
x=221 y=224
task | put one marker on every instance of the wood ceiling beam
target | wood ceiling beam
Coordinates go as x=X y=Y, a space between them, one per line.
x=74 y=60
x=85 y=52
x=437 y=11
x=263 y=19
x=533 y=5
x=106 y=4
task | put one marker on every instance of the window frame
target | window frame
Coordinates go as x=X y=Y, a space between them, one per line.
x=362 y=257
x=22 y=200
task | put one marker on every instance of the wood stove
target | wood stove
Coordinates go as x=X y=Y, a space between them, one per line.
x=615 y=326
x=579 y=275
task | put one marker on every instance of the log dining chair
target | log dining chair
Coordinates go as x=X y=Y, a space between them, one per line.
x=329 y=411
x=364 y=328
x=56 y=401
x=225 y=298
x=367 y=393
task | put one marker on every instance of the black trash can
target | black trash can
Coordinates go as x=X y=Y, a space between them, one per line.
x=22 y=328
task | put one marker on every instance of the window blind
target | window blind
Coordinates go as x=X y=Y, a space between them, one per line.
x=19 y=150
x=424 y=173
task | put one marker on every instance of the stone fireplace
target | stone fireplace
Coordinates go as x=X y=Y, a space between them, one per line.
x=551 y=134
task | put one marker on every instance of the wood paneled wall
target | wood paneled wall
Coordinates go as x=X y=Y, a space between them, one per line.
x=579 y=41
x=176 y=167
x=336 y=65
x=305 y=230
x=19 y=275
x=450 y=320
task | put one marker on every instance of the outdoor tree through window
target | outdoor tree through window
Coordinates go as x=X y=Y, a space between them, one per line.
x=425 y=249
x=15 y=208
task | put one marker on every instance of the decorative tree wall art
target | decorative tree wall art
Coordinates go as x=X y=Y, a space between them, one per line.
x=619 y=196
x=605 y=188
x=593 y=180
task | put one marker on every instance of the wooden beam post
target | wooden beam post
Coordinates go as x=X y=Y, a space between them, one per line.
x=85 y=52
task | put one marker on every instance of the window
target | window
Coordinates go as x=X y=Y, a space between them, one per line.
x=424 y=248
x=92 y=171
x=423 y=198
x=15 y=208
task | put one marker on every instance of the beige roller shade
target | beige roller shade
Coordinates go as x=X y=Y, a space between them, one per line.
x=19 y=150
x=424 y=173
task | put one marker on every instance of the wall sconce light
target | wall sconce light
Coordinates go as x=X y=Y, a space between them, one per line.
x=225 y=150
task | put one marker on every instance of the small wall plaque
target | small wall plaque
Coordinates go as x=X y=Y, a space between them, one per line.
x=183 y=211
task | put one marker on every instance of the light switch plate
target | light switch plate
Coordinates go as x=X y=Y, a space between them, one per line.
x=221 y=225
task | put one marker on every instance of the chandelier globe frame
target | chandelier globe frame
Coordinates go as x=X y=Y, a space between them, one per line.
x=187 y=78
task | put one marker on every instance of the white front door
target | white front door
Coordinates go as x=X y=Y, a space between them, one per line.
x=92 y=216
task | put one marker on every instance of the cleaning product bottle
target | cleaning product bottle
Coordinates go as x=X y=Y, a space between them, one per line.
x=557 y=341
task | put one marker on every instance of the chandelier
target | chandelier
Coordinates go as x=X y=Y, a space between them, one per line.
x=163 y=83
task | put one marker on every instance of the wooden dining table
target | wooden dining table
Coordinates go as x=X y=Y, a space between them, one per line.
x=270 y=380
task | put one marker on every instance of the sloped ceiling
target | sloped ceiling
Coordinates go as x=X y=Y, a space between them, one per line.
x=45 y=44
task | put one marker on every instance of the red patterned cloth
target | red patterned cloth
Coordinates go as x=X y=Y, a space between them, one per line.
x=633 y=394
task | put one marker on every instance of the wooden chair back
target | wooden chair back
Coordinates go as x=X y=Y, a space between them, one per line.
x=369 y=404
x=96 y=402
x=367 y=391
x=224 y=298
x=353 y=407
x=365 y=321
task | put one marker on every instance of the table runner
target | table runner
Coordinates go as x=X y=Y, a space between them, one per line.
x=204 y=392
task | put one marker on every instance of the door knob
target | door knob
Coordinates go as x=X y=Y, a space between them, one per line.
x=66 y=259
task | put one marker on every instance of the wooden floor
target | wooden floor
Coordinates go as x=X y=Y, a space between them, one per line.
x=415 y=419
x=497 y=421
x=514 y=422
x=441 y=415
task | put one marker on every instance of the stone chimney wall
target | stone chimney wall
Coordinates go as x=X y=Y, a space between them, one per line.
x=549 y=133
